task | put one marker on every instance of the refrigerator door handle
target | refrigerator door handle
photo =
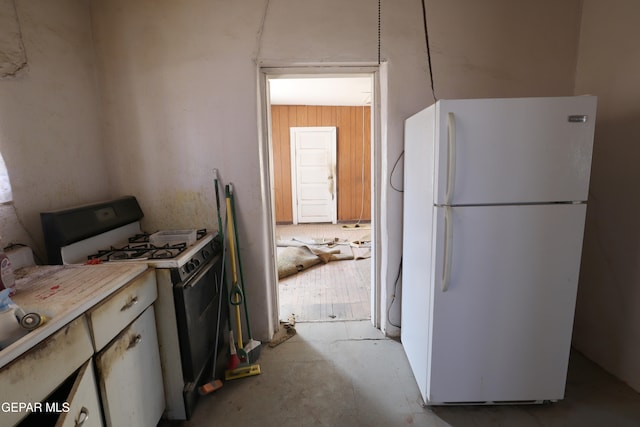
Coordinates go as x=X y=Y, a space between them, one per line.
x=451 y=143
x=448 y=244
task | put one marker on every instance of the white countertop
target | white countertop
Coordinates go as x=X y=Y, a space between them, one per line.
x=61 y=293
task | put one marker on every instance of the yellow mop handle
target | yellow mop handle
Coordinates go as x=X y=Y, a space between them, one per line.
x=233 y=269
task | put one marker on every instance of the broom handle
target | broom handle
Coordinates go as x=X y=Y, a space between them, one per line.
x=235 y=290
x=220 y=228
x=222 y=287
x=221 y=231
x=232 y=248
x=235 y=230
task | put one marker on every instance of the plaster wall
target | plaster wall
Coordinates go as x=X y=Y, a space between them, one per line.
x=49 y=117
x=607 y=324
x=147 y=97
x=179 y=89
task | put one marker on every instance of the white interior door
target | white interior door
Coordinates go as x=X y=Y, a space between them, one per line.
x=313 y=173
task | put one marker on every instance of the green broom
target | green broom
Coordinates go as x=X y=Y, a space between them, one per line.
x=236 y=298
x=252 y=348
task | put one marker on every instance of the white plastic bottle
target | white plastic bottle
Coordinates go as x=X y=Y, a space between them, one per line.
x=10 y=329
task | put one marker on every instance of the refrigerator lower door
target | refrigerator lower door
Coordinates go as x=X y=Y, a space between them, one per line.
x=501 y=326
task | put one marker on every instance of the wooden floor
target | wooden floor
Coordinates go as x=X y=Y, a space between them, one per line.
x=338 y=290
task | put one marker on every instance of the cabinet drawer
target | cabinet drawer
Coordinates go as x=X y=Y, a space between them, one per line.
x=112 y=315
x=35 y=374
x=130 y=376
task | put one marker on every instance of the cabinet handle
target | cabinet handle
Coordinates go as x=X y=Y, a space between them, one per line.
x=130 y=304
x=134 y=341
x=84 y=416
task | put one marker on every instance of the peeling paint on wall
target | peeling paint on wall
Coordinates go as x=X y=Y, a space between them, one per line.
x=13 y=57
x=179 y=209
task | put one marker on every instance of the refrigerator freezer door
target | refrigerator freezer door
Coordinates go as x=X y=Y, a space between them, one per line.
x=510 y=151
x=501 y=331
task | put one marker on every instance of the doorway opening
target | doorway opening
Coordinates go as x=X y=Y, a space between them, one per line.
x=321 y=133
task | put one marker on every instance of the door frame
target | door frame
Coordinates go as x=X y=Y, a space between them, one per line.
x=295 y=170
x=264 y=74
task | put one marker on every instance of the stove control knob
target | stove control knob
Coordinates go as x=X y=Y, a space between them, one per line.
x=205 y=254
x=189 y=267
x=196 y=262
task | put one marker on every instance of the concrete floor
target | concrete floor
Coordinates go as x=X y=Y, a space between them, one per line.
x=348 y=374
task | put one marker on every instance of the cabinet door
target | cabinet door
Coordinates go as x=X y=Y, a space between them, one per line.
x=84 y=404
x=130 y=376
x=39 y=371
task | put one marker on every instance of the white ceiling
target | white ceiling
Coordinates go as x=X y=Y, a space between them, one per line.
x=320 y=91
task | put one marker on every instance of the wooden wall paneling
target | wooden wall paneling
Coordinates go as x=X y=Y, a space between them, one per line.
x=301 y=116
x=312 y=116
x=354 y=164
x=358 y=177
x=351 y=180
x=344 y=190
x=281 y=162
x=359 y=158
x=328 y=116
x=363 y=154
x=286 y=167
x=275 y=142
x=350 y=131
x=367 y=165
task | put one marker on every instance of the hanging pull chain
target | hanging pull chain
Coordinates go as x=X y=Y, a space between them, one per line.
x=379 y=32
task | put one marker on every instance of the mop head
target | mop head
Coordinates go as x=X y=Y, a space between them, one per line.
x=242 y=372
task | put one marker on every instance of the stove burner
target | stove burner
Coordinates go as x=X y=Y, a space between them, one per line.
x=128 y=252
x=139 y=238
x=162 y=254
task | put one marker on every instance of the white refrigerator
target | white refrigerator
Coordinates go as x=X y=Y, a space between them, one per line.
x=495 y=197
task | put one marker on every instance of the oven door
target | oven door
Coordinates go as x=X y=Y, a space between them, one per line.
x=197 y=301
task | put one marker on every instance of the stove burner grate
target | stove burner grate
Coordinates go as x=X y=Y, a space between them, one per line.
x=162 y=254
x=139 y=248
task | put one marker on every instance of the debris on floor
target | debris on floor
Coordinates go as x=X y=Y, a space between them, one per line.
x=296 y=255
x=286 y=331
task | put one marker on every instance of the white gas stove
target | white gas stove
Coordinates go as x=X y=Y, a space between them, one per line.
x=191 y=309
x=130 y=244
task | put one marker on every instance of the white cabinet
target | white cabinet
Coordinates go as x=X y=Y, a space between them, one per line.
x=130 y=376
x=99 y=361
x=128 y=369
x=39 y=371
x=74 y=403
x=84 y=402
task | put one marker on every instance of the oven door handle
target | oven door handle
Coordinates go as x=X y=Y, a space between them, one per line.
x=194 y=279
